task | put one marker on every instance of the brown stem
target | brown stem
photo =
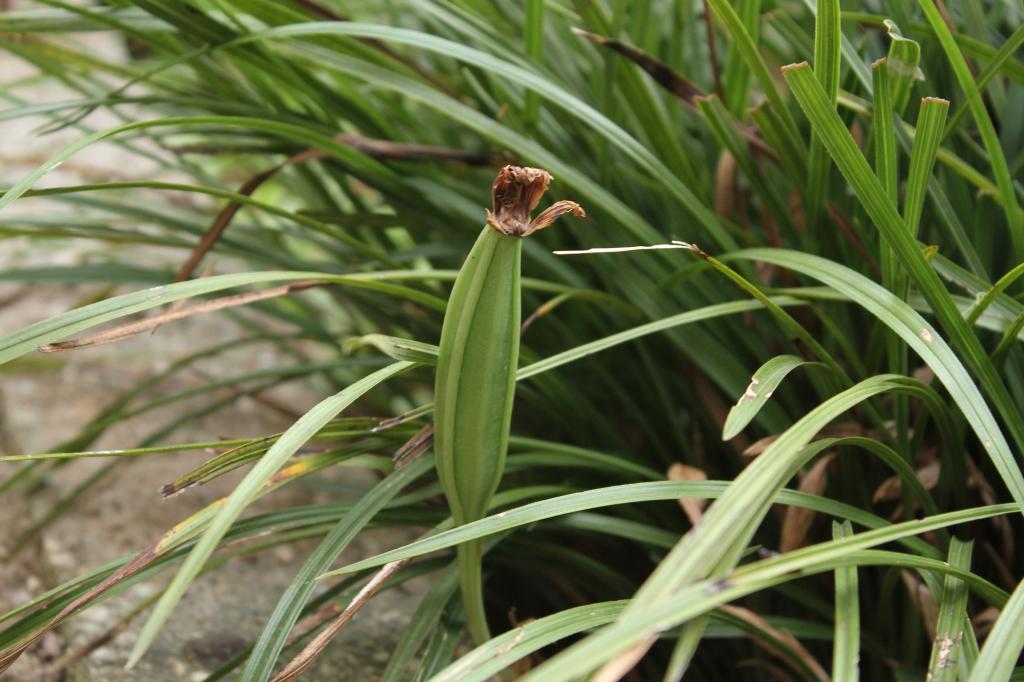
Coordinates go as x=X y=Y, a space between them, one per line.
x=133 y=328
x=716 y=70
x=677 y=84
x=378 y=149
x=315 y=648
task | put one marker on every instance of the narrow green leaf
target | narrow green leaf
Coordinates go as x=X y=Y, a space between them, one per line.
x=706 y=313
x=764 y=382
x=846 y=643
x=747 y=47
x=597 y=498
x=883 y=213
x=736 y=75
x=853 y=59
x=947 y=662
x=921 y=337
x=1002 y=58
x=291 y=602
x=533 y=45
x=827 y=61
x=993 y=294
x=290 y=441
x=883 y=133
x=922 y=160
x=372 y=169
x=492 y=657
x=686 y=646
x=1003 y=645
x=642 y=533
x=989 y=137
x=395 y=348
x=930 y=120
x=65 y=324
x=529 y=79
x=423 y=620
x=691 y=601
x=234 y=197
x=904 y=55
x=1010 y=338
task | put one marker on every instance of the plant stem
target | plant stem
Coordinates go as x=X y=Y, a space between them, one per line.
x=470 y=556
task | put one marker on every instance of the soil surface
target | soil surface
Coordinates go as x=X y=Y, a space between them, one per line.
x=47 y=398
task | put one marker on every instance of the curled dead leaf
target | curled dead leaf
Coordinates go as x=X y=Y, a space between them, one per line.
x=844 y=430
x=783 y=636
x=923 y=599
x=725 y=185
x=694 y=509
x=892 y=487
x=797 y=521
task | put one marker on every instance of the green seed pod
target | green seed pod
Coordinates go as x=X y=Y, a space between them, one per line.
x=479 y=347
x=476 y=366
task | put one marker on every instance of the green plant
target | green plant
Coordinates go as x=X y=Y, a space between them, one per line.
x=476 y=366
x=859 y=234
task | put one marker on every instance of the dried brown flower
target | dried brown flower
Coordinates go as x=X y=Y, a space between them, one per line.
x=516 y=192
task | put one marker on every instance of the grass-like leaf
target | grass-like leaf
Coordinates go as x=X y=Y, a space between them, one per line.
x=949 y=652
x=1003 y=645
x=989 y=137
x=762 y=385
x=290 y=441
x=701 y=596
x=920 y=336
x=275 y=633
x=883 y=212
x=593 y=499
x=846 y=643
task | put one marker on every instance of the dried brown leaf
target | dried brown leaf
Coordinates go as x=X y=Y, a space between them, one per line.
x=378 y=149
x=221 y=222
x=892 y=487
x=923 y=599
x=725 y=185
x=618 y=667
x=797 y=521
x=135 y=565
x=791 y=642
x=843 y=430
x=662 y=74
x=312 y=651
x=984 y=621
x=694 y=509
x=976 y=481
x=414 y=447
x=759 y=446
x=141 y=326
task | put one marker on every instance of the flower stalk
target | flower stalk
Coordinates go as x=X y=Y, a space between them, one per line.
x=479 y=353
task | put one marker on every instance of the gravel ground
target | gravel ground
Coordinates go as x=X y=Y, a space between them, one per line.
x=123 y=513
x=47 y=398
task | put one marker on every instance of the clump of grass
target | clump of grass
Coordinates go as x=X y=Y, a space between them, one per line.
x=849 y=177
